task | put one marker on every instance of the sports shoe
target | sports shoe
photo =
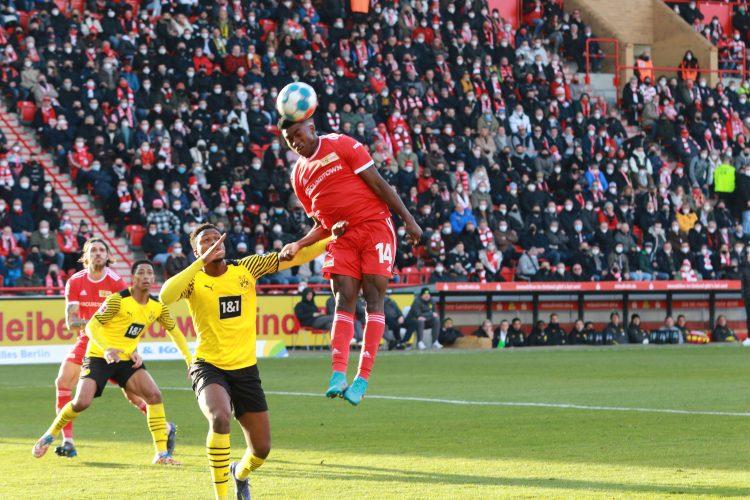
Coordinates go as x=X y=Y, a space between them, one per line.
x=355 y=392
x=421 y=346
x=165 y=458
x=437 y=345
x=241 y=485
x=67 y=450
x=171 y=437
x=337 y=385
x=41 y=446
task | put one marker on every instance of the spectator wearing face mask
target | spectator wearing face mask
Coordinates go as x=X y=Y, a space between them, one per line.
x=29 y=279
x=176 y=262
x=47 y=243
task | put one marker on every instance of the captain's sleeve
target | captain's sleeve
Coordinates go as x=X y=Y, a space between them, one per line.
x=108 y=309
x=260 y=265
x=354 y=154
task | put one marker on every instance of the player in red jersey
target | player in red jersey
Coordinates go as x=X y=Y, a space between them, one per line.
x=84 y=293
x=334 y=180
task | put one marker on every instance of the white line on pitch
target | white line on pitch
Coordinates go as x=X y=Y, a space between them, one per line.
x=563 y=406
x=464 y=402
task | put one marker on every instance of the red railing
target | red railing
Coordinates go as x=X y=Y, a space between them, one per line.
x=616 y=56
x=62 y=185
x=264 y=289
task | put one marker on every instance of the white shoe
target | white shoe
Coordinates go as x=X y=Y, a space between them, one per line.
x=437 y=345
x=746 y=342
x=421 y=346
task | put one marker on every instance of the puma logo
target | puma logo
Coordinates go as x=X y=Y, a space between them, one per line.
x=210 y=287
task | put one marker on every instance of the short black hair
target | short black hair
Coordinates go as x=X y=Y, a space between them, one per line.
x=285 y=124
x=140 y=262
x=198 y=230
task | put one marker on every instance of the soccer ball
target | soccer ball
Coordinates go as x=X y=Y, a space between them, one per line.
x=296 y=102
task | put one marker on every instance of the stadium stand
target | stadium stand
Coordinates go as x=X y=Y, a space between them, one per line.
x=164 y=113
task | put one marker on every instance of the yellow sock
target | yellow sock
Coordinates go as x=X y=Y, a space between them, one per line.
x=157 y=425
x=64 y=416
x=218 y=448
x=248 y=464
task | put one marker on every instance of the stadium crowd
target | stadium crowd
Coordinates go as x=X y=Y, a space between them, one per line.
x=165 y=115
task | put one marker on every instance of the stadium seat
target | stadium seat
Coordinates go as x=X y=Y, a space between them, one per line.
x=507 y=273
x=411 y=275
x=27 y=111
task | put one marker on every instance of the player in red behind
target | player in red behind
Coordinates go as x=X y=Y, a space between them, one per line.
x=334 y=180
x=84 y=293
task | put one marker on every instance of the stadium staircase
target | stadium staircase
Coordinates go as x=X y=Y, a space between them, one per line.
x=79 y=206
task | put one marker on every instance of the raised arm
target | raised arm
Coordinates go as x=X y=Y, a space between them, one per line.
x=388 y=194
x=178 y=286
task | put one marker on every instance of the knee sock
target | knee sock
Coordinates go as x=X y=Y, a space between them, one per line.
x=374 y=329
x=64 y=397
x=157 y=425
x=63 y=418
x=218 y=449
x=341 y=335
x=248 y=464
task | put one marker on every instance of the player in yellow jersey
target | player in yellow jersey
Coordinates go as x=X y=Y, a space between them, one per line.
x=114 y=333
x=221 y=299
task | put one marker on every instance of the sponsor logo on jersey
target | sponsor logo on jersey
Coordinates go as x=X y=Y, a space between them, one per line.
x=309 y=189
x=104 y=293
x=331 y=157
x=328 y=262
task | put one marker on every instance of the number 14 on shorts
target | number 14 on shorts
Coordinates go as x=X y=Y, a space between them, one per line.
x=385 y=252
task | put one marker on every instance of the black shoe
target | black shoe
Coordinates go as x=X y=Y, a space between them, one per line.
x=67 y=449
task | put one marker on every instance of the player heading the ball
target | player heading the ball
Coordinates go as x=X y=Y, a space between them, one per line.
x=334 y=180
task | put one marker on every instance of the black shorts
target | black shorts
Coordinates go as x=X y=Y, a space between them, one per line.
x=243 y=385
x=98 y=370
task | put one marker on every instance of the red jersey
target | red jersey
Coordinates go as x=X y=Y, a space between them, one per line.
x=89 y=294
x=329 y=187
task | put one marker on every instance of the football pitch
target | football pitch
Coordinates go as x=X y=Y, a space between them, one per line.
x=589 y=422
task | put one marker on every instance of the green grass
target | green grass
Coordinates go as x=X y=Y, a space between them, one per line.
x=408 y=449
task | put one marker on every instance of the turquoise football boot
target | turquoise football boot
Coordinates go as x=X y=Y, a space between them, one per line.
x=355 y=392
x=337 y=385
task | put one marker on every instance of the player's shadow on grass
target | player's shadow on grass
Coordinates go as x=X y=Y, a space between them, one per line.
x=380 y=474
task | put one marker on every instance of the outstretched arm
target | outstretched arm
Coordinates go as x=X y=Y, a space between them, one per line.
x=385 y=192
x=305 y=254
x=317 y=233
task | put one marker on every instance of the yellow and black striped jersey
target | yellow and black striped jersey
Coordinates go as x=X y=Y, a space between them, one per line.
x=120 y=322
x=223 y=309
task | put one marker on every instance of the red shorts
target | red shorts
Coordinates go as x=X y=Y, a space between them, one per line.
x=367 y=248
x=78 y=352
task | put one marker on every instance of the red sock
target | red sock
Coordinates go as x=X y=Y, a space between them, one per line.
x=341 y=336
x=63 y=398
x=374 y=329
